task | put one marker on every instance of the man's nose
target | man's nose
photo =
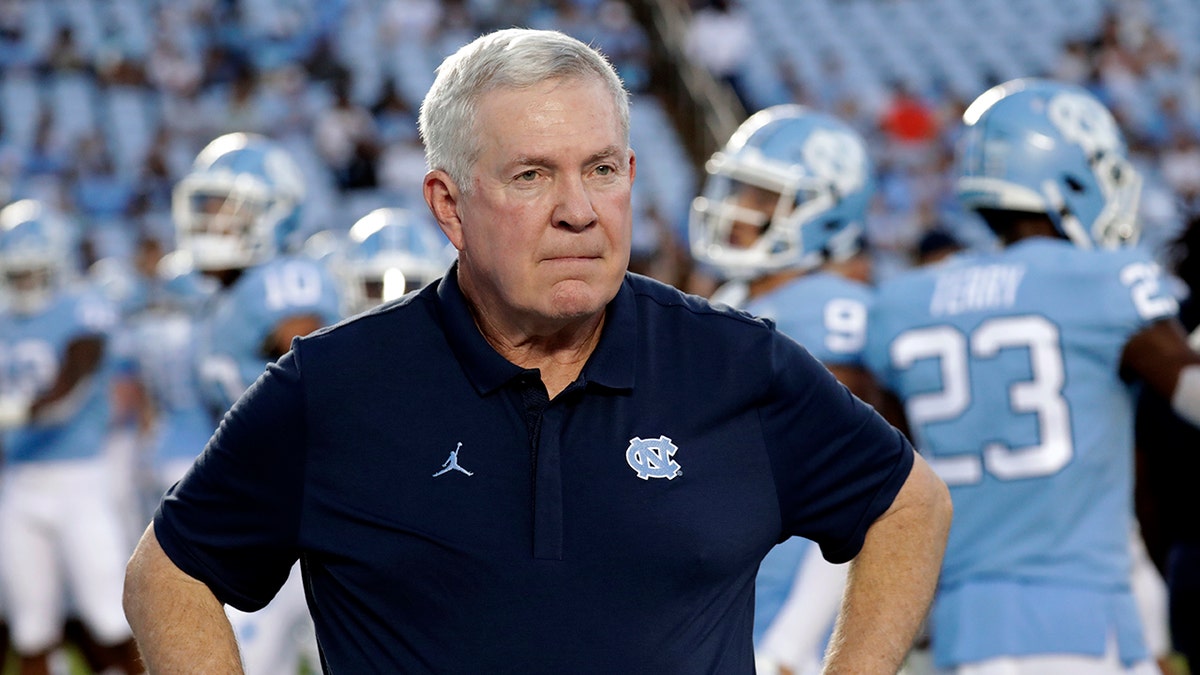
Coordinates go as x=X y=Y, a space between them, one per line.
x=574 y=209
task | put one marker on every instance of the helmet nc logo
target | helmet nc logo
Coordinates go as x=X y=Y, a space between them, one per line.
x=1085 y=122
x=837 y=157
x=652 y=458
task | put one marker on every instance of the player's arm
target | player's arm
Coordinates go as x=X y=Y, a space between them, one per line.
x=82 y=359
x=279 y=341
x=859 y=381
x=892 y=408
x=179 y=624
x=892 y=579
x=1160 y=355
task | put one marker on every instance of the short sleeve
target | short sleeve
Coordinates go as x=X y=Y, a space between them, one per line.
x=232 y=522
x=1138 y=293
x=94 y=316
x=837 y=463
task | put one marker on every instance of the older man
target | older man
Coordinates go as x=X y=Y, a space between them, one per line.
x=619 y=480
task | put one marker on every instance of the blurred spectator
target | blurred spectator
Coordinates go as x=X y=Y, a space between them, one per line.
x=171 y=69
x=221 y=65
x=347 y=139
x=394 y=116
x=323 y=64
x=65 y=54
x=116 y=62
x=48 y=154
x=15 y=49
x=102 y=197
x=455 y=29
x=190 y=116
x=241 y=107
x=568 y=16
x=287 y=107
x=1168 y=119
x=908 y=121
x=1073 y=64
x=1180 y=168
x=622 y=39
x=719 y=38
x=277 y=33
x=10 y=164
x=656 y=251
x=157 y=178
x=402 y=169
x=936 y=245
x=408 y=20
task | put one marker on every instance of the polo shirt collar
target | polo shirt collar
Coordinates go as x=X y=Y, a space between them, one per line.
x=611 y=365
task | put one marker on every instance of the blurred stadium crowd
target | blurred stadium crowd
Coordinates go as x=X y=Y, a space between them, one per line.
x=104 y=104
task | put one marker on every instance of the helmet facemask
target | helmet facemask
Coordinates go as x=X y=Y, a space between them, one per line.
x=788 y=192
x=749 y=219
x=35 y=255
x=30 y=288
x=227 y=222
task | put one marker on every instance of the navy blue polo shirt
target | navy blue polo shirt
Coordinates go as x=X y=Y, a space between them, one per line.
x=449 y=518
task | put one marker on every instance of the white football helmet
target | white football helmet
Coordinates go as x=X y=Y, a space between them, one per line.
x=239 y=204
x=1038 y=146
x=36 y=254
x=389 y=252
x=790 y=190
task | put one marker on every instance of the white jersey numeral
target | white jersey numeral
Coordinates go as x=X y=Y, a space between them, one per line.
x=28 y=367
x=292 y=284
x=1041 y=395
x=845 y=325
x=1143 y=282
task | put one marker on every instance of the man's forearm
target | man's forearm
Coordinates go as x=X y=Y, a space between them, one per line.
x=180 y=626
x=892 y=580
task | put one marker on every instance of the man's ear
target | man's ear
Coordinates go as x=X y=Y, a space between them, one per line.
x=441 y=195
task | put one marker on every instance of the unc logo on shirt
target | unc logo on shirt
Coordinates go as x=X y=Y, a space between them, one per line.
x=651 y=458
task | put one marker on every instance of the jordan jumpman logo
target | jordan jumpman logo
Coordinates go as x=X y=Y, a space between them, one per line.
x=451 y=464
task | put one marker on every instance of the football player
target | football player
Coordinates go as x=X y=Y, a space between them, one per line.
x=236 y=212
x=781 y=220
x=389 y=252
x=60 y=524
x=158 y=350
x=1011 y=368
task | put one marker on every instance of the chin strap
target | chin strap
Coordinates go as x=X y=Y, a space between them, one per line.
x=1185 y=401
x=1067 y=222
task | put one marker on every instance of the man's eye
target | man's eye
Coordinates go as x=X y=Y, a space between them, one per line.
x=527 y=175
x=604 y=170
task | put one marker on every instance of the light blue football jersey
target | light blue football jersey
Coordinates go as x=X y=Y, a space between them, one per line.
x=827 y=314
x=32 y=350
x=238 y=321
x=161 y=344
x=824 y=312
x=1007 y=364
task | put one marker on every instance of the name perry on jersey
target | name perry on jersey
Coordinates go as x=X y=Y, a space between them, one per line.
x=976 y=288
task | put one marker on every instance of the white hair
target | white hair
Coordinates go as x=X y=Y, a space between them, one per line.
x=506 y=59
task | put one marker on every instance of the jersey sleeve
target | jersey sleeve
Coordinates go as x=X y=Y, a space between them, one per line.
x=1137 y=291
x=838 y=464
x=232 y=522
x=875 y=354
x=844 y=317
x=93 y=316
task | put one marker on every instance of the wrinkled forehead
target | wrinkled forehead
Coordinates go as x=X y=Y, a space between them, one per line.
x=541 y=103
